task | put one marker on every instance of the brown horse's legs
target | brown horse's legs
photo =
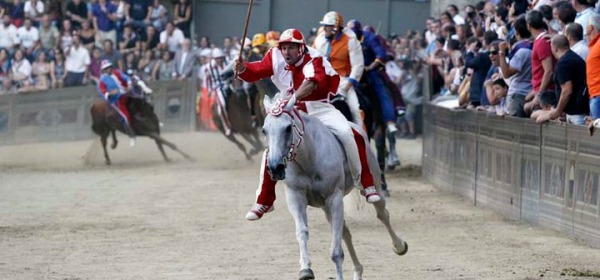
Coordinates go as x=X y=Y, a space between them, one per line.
x=162 y=150
x=103 y=140
x=114 y=139
x=239 y=145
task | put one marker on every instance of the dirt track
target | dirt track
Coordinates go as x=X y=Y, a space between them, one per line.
x=61 y=218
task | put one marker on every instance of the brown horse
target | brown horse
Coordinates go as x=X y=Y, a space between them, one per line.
x=144 y=122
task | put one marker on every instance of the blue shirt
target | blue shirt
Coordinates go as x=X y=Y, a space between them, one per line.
x=372 y=48
x=105 y=24
x=117 y=80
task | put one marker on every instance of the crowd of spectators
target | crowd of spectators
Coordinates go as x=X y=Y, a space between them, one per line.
x=54 y=43
x=511 y=57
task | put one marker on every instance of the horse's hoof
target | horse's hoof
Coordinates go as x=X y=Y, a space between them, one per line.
x=401 y=253
x=306 y=274
x=113 y=146
x=107 y=162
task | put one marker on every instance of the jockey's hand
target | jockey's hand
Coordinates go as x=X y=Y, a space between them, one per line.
x=105 y=95
x=239 y=66
x=289 y=103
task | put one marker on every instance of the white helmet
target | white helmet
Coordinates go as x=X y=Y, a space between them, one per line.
x=216 y=53
x=332 y=18
x=205 y=52
x=105 y=64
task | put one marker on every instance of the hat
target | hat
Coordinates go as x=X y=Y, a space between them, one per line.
x=216 y=53
x=105 y=64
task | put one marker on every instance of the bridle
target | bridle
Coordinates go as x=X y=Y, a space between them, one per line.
x=277 y=110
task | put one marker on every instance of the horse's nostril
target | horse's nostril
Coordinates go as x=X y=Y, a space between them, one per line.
x=280 y=167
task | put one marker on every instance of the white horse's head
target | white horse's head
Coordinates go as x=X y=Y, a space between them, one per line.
x=279 y=133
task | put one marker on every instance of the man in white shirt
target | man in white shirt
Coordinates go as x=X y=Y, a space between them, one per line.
x=29 y=37
x=34 y=9
x=584 y=12
x=171 y=38
x=77 y=63
x=574 y=33
x=8 y=34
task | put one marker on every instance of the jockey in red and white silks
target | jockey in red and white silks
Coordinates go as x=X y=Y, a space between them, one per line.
x=310 y=81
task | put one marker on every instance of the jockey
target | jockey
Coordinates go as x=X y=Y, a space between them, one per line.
x=112 y=86
x=340 y=46
x=309 y=81
x=211 y=76
x=375 y=58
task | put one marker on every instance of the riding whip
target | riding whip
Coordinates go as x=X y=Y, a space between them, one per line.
x=245 y=32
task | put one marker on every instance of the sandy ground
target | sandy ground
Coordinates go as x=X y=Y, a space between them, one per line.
x=63 y=218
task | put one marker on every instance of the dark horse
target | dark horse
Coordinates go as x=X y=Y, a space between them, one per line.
x=144 y=122
x=240 y=117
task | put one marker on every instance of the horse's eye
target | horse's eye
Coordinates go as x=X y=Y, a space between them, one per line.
x=264 y=132
x=288 y=129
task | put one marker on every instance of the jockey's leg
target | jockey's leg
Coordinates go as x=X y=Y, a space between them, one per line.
x=265 y=194
x=121 y=106
x=337 y=124
x=387 y=106
x=395 y=91
x=352 y=101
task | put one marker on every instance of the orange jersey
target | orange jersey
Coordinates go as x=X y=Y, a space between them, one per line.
x=344 y=52
x=593 y=68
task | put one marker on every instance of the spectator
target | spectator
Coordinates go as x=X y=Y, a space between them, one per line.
x=34 y=10
x=437 y=32
x=111 y=54
x=87 y=35
x=5 y=71
x=104 y=16
x=492 y=75
x=58 y=74
x=518 y=69
x=542 y=60
x=77 y=63
x=453 y=11
x=446 y=19
x=49 y=35
x=566 y=15
x=479 y=61
x=54 y=11
x=137 y=14
x=553 y=26
x=8 y=34
x=21 y=71
x=66 y=35
x=584 y=12
x=41 y=72
x=151 y=39
x=430 y=33
x=499 y=90
x=574 y=33
x=158 y=15
x=130 y=41
x=17 y=13
x=570 y=82
x=95 y=65
x=120 y=16
x=164 y=69
x=593 y=65
x=146 y=65
x=77 y=12
x=29 y=38
x=130 y=64
x=182 y=16
x=171 y=38
x=205 y=43
x=185 y=61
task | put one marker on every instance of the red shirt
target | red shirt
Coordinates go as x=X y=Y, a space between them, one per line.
x=288 y=78
x=541 y=50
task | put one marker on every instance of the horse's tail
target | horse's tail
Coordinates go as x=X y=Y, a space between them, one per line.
x=354 y=202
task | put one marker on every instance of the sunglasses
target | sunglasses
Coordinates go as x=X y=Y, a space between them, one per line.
x=493 y=52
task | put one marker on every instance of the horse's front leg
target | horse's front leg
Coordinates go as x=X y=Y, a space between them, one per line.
x=335 y=214
x=297 y=204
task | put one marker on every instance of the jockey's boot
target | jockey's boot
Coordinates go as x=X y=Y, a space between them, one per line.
x=265 y=194
x=257 y=211
x=391 y=128
x=366 y=178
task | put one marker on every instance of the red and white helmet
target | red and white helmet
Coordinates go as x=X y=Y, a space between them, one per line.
x=292 y=36
x=105 y=64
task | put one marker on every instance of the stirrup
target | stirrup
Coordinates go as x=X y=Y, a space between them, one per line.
x=257 y=211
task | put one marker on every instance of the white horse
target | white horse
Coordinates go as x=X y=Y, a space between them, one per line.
x=304 y=153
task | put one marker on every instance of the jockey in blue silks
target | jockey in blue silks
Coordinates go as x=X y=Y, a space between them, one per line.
x=112 y=86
